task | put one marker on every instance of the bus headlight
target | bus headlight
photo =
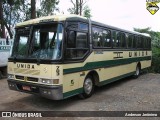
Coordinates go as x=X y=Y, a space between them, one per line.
x=46 y=81
x=50 y=81
x=10 y=76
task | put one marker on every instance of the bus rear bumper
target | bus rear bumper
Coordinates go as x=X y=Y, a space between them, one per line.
x=51 y=92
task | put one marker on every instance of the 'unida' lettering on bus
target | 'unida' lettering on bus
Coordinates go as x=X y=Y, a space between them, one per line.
x=25 y=66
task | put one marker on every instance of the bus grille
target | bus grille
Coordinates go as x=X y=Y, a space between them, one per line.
x=27 y=71
x=26 y=78
x=32 y=79
x=19 y=77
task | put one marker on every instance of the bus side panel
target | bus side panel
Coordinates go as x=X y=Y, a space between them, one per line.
x=117 y=71
x=145 y=64
x=71 y=84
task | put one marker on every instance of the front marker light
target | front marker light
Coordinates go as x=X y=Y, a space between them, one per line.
x=10 y=76
x=56 y=81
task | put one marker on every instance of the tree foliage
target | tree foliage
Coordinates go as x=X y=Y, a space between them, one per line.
x=80 y=8
x=87 y=12
x=14 y=11
x=48 y=7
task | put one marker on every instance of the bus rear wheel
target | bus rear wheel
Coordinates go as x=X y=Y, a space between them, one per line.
x=88 y=88
x=137 y=72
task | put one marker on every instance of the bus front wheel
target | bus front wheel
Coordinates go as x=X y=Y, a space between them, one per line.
x=88 y=88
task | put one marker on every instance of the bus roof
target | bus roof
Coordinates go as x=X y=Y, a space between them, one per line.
x=49 y=19
x=72 y=17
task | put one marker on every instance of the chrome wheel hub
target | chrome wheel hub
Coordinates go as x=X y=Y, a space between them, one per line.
x=88 y=85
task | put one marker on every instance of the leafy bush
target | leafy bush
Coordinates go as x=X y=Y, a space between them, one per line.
x=155 y=60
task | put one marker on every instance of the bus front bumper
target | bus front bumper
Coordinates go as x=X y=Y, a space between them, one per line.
x=48 y=91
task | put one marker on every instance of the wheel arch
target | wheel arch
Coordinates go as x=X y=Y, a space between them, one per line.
x=95 y=76
x=139 y=65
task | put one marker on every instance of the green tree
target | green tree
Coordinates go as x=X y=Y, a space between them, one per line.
x=14 y=11
x=145 y=30
x=80 y=8
x=87 y=12
x=48 y=7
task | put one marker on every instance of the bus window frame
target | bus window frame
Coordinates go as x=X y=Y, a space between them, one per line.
x=125 y=40
x=66 y=60
x=103 y=28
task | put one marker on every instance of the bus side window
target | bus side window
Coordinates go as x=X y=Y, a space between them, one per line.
x=118 y=40
x=77 y=45
x=139 y=42
x=130 y=41
x=97 y=37
x=71 y=41
x=134 y=41
x=149 y=43
x=121 y=40
x=83 y=26
x=107 y=38
x=114 y=37
x=144 y=42
x=81 y=42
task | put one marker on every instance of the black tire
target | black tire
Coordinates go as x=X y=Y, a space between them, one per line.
x=88 y=87
x=1 y=76
x=137 y=72
x=4 y=72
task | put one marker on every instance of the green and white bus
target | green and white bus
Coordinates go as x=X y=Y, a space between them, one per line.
x=65 y=55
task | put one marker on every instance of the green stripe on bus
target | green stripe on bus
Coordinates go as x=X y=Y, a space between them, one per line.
x=103 y=64
x=115 y=79
x=80 y=90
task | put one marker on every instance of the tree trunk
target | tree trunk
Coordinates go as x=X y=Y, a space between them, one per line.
x=33 y=9
x=1 y=21
x=80 y=9
x=77 y=7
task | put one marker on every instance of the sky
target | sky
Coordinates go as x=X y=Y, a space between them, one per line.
x=125 y=14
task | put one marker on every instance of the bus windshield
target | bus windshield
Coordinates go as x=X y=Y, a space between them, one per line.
x=40 y=42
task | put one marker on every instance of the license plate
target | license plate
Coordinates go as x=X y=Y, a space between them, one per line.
x=27 y=88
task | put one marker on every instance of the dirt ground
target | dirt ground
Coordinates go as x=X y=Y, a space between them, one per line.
x=142 y=94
